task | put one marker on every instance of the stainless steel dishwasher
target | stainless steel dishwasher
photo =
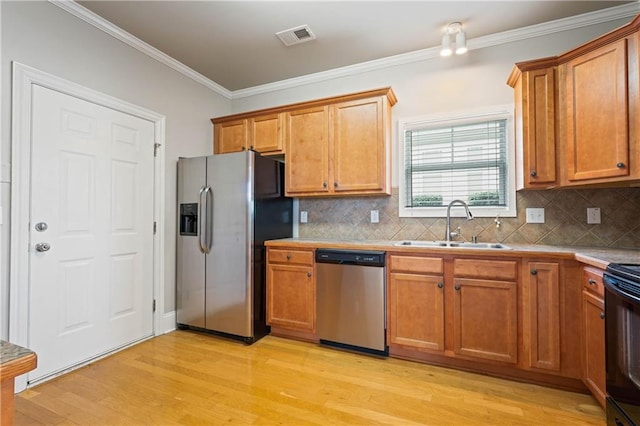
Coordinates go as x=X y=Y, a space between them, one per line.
x=351 y=299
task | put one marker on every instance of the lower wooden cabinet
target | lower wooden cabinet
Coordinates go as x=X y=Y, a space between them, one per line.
x=485 y=309
x=415 y=303
x=594 y=367
x=291 y=290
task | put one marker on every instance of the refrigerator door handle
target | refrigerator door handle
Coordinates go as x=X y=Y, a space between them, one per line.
x=202 y=220
x=208 y=210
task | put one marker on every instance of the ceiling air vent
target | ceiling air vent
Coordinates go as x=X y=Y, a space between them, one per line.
x=296 y=35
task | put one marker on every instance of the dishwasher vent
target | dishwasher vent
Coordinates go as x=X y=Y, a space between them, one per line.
x=296 y=35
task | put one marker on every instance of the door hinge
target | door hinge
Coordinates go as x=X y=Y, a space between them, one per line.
x=155 y=227
x=155 y=149
x=154 y=305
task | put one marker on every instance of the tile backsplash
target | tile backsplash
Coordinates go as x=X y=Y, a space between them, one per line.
x=565 y=220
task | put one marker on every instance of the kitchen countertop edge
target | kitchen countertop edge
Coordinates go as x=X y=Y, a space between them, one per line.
x=598 y=257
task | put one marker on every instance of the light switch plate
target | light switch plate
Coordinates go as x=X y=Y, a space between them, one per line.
x=535 y=215
x=593 y=215
x=375 y=218
x=303 y=217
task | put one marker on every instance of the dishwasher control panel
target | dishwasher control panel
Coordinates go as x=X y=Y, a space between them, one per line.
x=351 y=257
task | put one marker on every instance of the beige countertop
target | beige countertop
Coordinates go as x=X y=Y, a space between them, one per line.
x=594 y=256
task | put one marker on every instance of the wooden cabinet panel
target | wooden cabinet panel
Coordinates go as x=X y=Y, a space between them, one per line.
x=535 y=117
x=307 y=139
x=413 y=264
x=359 y=148
x=230 y=136
x=416 y=311
x=594 y=375
x=541 y=315
x=265 y=133
x=592 y=281
x=597 y=135
x=485 y=319
x=492 y=269
x=291 y=289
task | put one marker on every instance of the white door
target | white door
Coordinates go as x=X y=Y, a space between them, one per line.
x=91 y=231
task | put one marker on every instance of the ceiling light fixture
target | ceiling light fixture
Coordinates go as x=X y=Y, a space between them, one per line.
x=454 y=29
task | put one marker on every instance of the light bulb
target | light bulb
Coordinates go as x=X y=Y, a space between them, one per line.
x=461 y=43
x=446 y=46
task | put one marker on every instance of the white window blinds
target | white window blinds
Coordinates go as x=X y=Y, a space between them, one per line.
x=462 y=161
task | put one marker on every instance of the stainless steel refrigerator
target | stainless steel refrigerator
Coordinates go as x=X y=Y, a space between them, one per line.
x=228 y=205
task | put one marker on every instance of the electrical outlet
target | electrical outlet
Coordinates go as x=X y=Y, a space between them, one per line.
x=303 y=217
x=535 y=215
x=593 y=215
x=375 y=218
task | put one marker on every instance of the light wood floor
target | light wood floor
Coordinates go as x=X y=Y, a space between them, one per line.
x=189 y=378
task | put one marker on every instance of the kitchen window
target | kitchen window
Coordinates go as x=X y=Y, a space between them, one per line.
x=466 y=157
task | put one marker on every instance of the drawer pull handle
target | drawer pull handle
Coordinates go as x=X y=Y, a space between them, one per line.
x=440 y=285
x=592 y=281
x=534 y=272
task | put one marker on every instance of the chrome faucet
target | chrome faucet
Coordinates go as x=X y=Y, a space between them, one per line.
x=449 y=234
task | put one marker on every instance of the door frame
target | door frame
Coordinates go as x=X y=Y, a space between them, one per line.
x=24 y=78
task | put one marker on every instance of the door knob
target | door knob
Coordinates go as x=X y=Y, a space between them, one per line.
x=43 y=247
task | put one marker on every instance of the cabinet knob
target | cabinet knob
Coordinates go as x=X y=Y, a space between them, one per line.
x=251 y=147
x=534 y=272
x=533 y=173
x=592 y=281
x=324 y=184
x=288 y=257
x=457 y=287
x=309 y=274
x=440 y=285
x=335 y=184
x=620 y=165
x=243 y=148
x=602 y=315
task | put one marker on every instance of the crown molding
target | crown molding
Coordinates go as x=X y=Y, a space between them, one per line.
x=592 y=18
x=102 y=24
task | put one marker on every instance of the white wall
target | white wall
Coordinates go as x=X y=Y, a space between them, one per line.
x=439 y=85
x=41 y=35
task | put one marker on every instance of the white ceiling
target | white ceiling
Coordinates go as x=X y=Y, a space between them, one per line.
x=233 y=43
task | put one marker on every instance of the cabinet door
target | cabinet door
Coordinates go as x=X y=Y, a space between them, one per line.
x=594 y=345
x=416 y=311
x=291 y=301
x=359 y=146
x=539 y=131
x=230 y=136
x=265 y=134
x=597 y=114
x=307 y=147
x=485 y=319
x=541 y=315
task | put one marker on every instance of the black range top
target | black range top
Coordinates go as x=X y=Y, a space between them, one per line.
x=630 y=271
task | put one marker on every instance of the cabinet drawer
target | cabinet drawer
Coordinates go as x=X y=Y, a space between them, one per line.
x=294 y=257
x=492 y=269
x=411 y=264
x=592 y=280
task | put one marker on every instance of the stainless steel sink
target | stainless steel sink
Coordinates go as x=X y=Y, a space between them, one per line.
x=452 y=244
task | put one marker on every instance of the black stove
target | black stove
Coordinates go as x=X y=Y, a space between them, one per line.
x=622 y=335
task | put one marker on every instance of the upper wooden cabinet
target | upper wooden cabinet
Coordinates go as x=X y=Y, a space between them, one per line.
x=578 y=116
x=262 y=133
x=596 y=114
x=342 y=148
x=333 y=146
x=535 y=107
